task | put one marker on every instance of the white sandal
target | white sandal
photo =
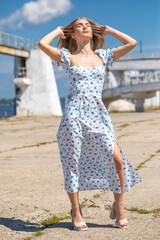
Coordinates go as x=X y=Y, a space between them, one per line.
x=78 y=224
x=113 y=215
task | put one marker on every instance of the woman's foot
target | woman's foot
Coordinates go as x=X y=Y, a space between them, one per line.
x=76 y=214
x=120 y=213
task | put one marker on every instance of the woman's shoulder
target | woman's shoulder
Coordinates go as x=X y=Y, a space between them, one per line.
x=65 y=58
x=106 y=55
x=65 y=50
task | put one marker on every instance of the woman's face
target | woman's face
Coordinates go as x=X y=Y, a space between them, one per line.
x=82 y=29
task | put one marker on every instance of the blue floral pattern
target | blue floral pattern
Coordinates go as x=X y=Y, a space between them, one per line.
x=85 y=135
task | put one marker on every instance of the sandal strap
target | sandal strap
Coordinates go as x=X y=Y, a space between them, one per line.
x=121 y=222
x=78 y=224
x=74 y=206
x=119 y=202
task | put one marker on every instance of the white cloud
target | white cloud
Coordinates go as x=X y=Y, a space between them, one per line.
x=34 y=13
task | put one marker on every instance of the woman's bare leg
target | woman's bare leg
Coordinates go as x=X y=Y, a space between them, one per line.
x=73 y=198
x=117 y=157
x=76 y=214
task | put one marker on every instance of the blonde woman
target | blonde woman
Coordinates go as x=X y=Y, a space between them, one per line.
x=90 y=154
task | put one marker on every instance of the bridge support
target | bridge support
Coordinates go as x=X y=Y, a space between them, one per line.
x=118 y=86
x=139 y=105
x=36 y=89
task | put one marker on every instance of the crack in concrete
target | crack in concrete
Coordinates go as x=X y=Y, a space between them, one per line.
x=28 y=146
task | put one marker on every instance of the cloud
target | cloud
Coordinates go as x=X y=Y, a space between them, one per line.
x=34 y=13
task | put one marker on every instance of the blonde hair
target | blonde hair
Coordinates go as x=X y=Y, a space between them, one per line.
x=71 y=44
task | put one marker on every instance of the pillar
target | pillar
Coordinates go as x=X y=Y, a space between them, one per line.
x=140 y=105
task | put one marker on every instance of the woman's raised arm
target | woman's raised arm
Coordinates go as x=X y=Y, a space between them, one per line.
x=129 y=42
x=44 y=44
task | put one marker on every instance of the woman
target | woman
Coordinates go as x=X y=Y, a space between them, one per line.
x=90 y=154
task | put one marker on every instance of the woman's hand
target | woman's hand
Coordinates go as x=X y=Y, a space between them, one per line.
x=104 y=31
x=61 y=33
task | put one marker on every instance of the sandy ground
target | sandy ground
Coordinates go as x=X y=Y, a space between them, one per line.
x=32 y=184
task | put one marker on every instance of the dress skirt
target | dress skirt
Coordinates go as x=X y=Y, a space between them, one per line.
x=86 y=143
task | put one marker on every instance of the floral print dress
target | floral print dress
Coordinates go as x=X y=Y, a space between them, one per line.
x=85 y=135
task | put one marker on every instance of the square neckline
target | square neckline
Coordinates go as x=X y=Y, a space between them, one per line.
x=84 y=66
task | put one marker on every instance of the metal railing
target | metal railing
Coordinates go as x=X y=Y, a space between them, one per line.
x=141 y=78
x=20 y=72
x=10 y=40
x=148 y=52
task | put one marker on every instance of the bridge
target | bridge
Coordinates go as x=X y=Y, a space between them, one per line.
x=118 y=85
x=15 y=45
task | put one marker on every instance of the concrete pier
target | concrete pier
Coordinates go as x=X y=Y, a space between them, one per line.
x=36 y=89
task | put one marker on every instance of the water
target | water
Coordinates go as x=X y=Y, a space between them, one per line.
x=62 y=100
x=9 y=108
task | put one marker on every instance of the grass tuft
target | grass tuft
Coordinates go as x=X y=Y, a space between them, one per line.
x=144 y=211
x=122 y=135
x=53 y=220
x=28 y=146
x=83 y=202
x=38 y=233
x=142 y=163
x=96 y=195
x=123 y=125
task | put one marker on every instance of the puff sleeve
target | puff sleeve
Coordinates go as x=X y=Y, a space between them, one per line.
x=106 y=55
x=65 y=59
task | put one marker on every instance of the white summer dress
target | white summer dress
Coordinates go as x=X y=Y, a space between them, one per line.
x=85 y=135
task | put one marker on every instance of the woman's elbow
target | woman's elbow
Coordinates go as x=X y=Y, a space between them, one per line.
x=134 y=43
x=40 y=44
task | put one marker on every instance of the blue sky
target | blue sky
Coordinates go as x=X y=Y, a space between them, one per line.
x=34 y=19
